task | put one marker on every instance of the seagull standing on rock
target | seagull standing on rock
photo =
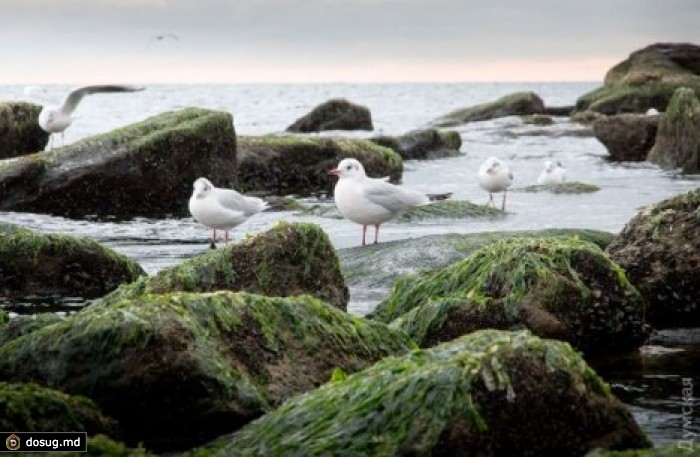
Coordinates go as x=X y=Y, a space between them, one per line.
x=372 y=201
x=495 y=176
x=552 y=174
x=57 y=118
x=221 y=209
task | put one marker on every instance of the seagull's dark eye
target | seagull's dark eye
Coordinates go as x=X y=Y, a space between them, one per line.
x=349 y=167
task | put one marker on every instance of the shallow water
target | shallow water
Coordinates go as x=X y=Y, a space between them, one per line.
x=651 y=388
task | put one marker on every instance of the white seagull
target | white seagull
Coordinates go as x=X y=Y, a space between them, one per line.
x=495 y=176
x=552 y=174
x=221 y=209
x=57 y=118
x=372 y=201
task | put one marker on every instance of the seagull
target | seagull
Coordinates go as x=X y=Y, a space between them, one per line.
x=652 y=112
x=221 y=209
x=57 y=118
x=552 y=174
x=495 y=176
x=372 y=201
x=166 y=35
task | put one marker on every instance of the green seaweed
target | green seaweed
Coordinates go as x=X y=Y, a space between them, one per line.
x=289 y=259
x=570 y=187
x=411 y=404
x=449 y=209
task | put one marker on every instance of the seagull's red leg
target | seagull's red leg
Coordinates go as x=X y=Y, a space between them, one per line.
x=503 y=205
x=226 y=236
x=376 y=233
x=364 y=232
x=491 y=202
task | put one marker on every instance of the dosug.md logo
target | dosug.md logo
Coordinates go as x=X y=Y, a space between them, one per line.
x=12 y=442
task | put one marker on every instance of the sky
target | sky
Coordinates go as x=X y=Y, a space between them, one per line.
x=356 y=41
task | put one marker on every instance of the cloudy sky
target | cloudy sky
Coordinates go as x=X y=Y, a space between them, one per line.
x=231 y=41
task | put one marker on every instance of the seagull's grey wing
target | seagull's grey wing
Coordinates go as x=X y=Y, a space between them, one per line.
x=393 y=198
x=75 y=95
x=234 y=201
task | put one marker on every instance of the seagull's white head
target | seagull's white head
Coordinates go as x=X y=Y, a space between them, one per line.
x=548 y=166
x=492 y=165
x=202 y=187
x=348 y=168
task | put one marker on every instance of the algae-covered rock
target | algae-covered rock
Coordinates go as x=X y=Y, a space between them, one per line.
x=628 y=137
x=568 y=187
x=22 y=325
x=483 y=394
x=31 y=408
x=647 y=79
x=103 y=446
x=334 y=114
x=537 y=119
x=20 y=133
x=563 y=288
x=33 y=264
x=178 y=369
x=677 y=142
x=144 y=169
x=519 y=103
x=289 y=259
x=660 y=252
x=423 y=144
x=299 y=165
x=448 y=209
x=370 y=271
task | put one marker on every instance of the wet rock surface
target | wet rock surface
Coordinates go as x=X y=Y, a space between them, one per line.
x=334 y=114
x=20 y=133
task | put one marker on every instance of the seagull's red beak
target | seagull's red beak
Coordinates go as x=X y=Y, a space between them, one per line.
x=334 y=172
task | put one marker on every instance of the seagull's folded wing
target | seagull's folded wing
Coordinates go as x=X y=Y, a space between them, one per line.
x=391 y=197
x=232 y=200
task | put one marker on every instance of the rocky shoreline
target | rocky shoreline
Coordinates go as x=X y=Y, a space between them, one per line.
x=250 y=350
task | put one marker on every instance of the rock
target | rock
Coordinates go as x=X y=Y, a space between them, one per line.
x=101 y=445
x=660 y=252
x=586 y=117
x=423 y=144
x=299 y=165
x=628 y=137
x=568 y=187
x=448 y=209
x=370 y=271
x=20 y=133
x=334 y=114
x=537 y=119
x=647 y=79
x=479 y=395
x=145 y=169
x=23 y=325
x=677 y=142
x=37 y=265
x=562 y=288
x=32 y=408
x=518 y=103
x=176 y=370
x=289 y=259
x=559 y=110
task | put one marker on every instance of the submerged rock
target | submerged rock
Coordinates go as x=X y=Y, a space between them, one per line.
x=568 y=187
x=519 y=103
x=334 y=114
x=299 y=165
x=32 y=408
x=628 y=137
x=145 y=169
x=448 y=209
x=562 y=288
x=370 y=271
x=20 y=133
x=677 y=142
x=423 y=144
x=288 y=259
x=176 y=370
x=537 y=119
x=660 y=252
x=647 y=79
x=479 y=395
x=33 y=264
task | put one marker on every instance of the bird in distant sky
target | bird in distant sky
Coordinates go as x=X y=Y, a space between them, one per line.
x=166 y=36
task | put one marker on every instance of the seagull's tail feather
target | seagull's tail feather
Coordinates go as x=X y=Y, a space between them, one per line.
x=438 y=197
